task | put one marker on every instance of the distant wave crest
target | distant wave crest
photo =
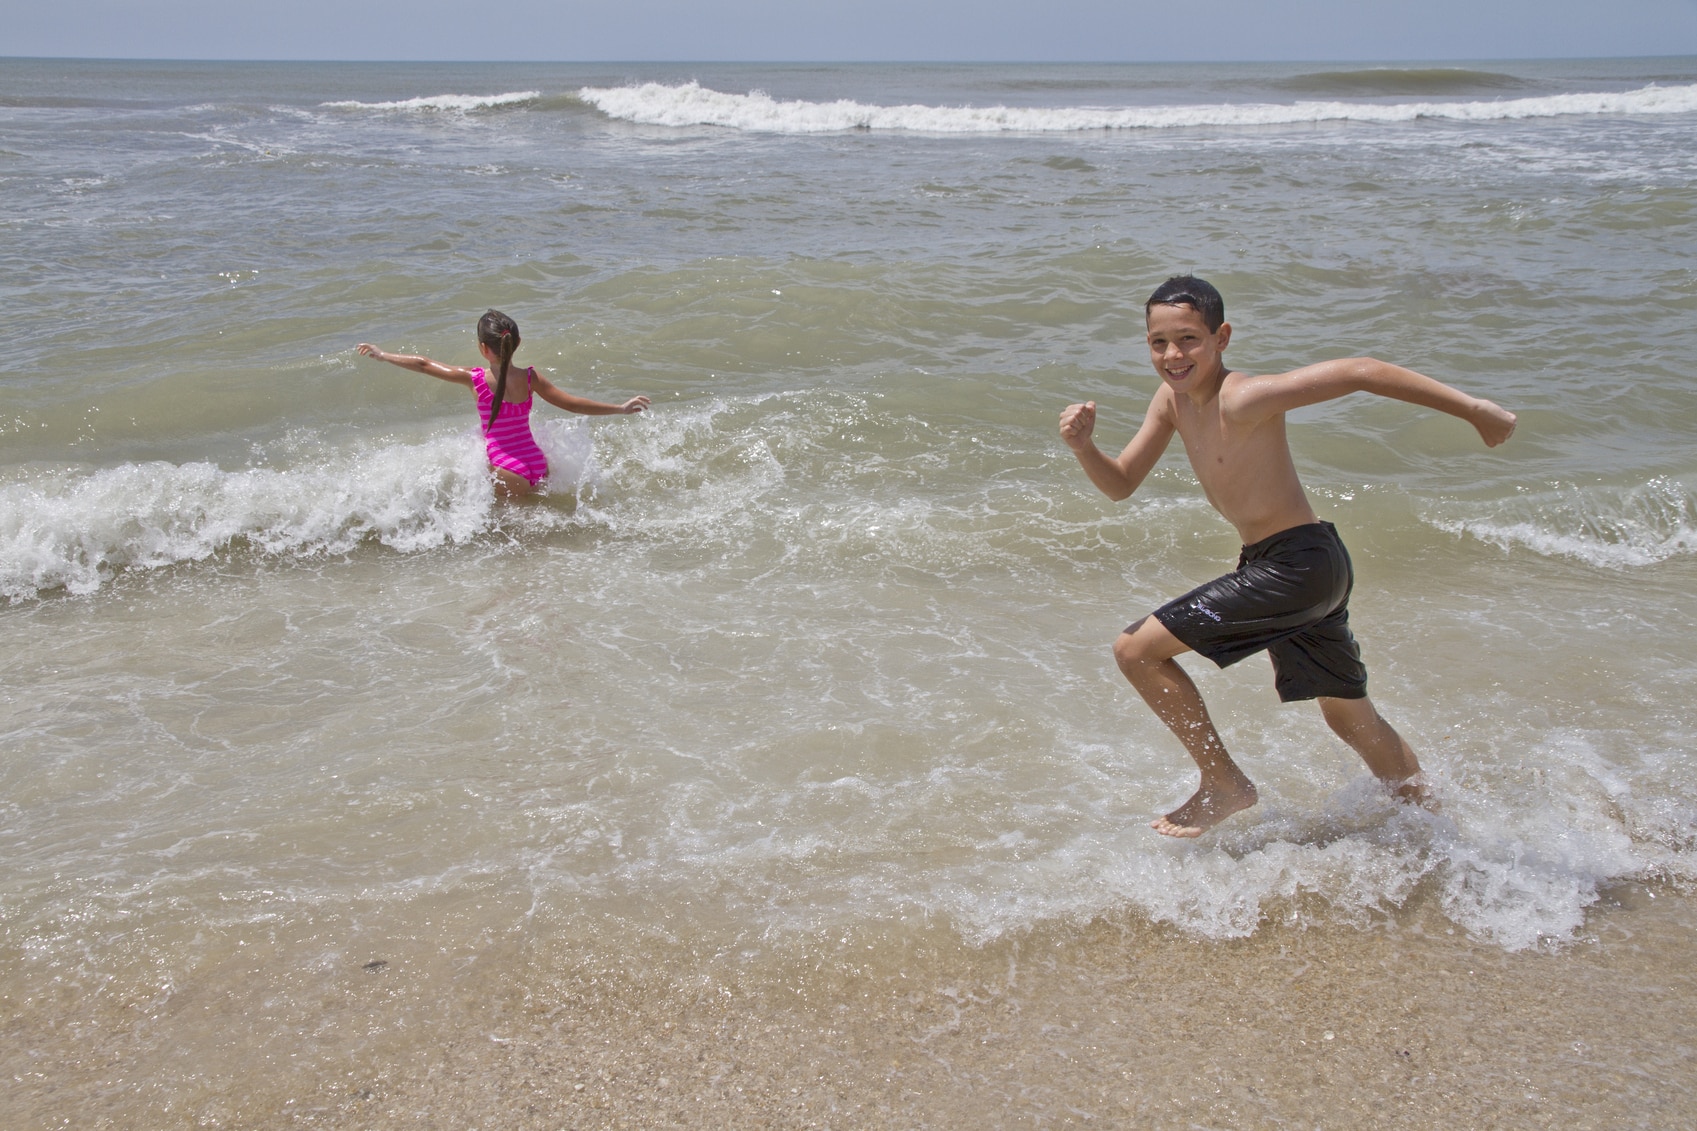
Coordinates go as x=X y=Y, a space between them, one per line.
x=1614 y=528
x=444 y=103
x=692 y=104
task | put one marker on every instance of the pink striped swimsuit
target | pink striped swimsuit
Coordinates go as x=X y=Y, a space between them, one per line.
x=509 y=443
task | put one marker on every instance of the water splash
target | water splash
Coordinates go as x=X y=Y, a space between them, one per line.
x=77 y=532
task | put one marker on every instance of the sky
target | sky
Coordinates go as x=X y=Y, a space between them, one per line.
x=848 y=30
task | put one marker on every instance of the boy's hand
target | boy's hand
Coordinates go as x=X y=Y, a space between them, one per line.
x=635 y=404
x=366 y=349
x=1078 y=424
x=1495 y=423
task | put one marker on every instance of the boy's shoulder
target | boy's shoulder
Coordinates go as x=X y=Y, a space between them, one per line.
x=1246 y=398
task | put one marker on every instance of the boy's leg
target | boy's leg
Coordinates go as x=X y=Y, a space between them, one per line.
x=1145 y=654
x=1391 y=759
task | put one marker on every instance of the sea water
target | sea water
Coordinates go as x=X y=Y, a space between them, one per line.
x=817 y=648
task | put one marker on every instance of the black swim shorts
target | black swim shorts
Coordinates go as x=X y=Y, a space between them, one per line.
x=1290 y=596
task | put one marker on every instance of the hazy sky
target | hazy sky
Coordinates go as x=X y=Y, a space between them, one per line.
x=858 y=30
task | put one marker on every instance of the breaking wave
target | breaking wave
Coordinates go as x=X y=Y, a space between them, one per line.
x=691 y=104
x=77 y=532
x=444 y=103
x=1610 y=527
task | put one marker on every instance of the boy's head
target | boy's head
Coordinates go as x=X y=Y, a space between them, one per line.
x=1188 y=333
x=1188 y=290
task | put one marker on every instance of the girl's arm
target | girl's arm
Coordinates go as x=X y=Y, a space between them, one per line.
x=559 y=398
x=1250 y=400
x=454 y=373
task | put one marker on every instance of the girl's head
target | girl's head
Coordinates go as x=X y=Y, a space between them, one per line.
x=501 y=335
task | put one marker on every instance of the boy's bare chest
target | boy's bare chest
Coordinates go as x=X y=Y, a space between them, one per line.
x=1212 y=447
x=1228 y=459
x=1245 y=470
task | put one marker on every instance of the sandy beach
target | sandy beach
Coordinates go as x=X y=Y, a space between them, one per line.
x=1399 y=1025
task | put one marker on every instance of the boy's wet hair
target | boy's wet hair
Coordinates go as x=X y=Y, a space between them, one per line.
x=500 y=334
x=1198 y=294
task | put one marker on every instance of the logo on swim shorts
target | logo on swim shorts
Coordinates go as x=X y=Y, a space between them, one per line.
x=1209 y=613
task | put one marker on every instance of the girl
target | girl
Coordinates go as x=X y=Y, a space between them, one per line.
x=517 y=462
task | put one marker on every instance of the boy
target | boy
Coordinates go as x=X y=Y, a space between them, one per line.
x=1290 y=591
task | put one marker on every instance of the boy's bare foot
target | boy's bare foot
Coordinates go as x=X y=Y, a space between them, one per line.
x=1415 y=791
x=1207 y=807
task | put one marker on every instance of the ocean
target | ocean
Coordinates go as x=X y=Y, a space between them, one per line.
x=771 y=768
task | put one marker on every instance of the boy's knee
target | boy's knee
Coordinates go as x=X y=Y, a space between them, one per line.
x=1125 y=648
x=1131 y=647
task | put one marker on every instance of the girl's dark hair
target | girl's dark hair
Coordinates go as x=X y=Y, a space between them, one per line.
x=500 y=334
x=1198 y=294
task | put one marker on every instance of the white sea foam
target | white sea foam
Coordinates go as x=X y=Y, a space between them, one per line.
x=691 y=104
x=1514 y=871
x=1611 y=527
x=444 y=103
x=1509 y=874
x=76 y=532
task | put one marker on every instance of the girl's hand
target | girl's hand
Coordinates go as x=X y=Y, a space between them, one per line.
x=635 y=404
x=366 y=349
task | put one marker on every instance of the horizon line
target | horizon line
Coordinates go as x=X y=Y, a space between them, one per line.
x=776 y=62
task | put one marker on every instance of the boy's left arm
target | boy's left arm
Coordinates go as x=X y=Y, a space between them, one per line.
x=1249 y=400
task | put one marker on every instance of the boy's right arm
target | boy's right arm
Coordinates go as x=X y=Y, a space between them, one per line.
x=454 y=373
x=1117 y=477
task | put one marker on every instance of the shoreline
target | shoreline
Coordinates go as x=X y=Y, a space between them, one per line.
x=1399 y=1024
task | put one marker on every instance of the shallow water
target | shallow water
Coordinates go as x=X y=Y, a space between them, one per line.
x=817 y=649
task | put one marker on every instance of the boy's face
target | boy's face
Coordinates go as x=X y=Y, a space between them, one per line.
x=1185 y=352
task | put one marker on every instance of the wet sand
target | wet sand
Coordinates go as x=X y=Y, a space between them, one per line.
x=1398 y=1024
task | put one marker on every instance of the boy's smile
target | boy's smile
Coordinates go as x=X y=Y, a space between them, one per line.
x=1185 y=352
